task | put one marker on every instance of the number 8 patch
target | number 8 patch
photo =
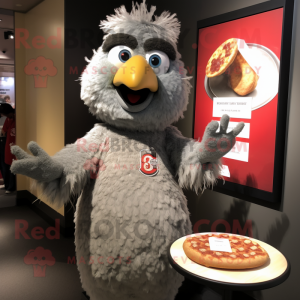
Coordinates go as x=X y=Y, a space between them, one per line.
x=148 y=162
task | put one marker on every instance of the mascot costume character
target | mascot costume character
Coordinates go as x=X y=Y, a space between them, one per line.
x=129 y=170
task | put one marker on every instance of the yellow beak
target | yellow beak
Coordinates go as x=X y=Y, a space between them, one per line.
x=136 y=74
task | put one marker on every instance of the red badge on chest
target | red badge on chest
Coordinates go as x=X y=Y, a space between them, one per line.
x=148 y=162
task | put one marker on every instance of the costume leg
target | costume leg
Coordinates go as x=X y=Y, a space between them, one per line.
x=10 y=179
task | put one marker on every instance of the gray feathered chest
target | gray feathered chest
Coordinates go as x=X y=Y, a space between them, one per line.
x=132 y=217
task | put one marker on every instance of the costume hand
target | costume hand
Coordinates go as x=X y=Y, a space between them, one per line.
x=40 y=166
x=214 y=144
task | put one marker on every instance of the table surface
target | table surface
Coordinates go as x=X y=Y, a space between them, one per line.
x=272 y=273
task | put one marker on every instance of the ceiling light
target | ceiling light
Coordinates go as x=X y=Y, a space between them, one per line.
x=8 y=35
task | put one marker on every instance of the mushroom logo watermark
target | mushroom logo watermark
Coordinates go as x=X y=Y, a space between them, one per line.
x=40 y=68
x=39 y=258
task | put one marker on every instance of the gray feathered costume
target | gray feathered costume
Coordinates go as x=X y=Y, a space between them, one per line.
x=129 y=170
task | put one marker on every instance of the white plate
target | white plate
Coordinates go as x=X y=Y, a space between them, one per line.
x=274 y=268
x=267 y=85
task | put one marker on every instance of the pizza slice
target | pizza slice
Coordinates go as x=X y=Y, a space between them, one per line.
x=245 y=254
x=242 y=78
x=222 y=58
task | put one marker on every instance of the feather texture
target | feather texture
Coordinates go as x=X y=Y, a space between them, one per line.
x=76 y=159
x=126 y=221
x=141 y=14
x=184 y=155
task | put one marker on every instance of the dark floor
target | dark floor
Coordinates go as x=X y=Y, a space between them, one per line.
x=17 y=280
x=60 y=281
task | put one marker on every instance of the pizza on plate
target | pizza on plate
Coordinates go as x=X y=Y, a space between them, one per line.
x=222 y=58
x=245 y=254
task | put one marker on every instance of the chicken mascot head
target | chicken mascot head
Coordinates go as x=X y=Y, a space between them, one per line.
x=129 y=169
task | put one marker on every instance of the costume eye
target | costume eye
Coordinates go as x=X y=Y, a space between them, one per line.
x=159 y=61
x=118 y=55
x=124 y=55
x=44 y=68
x=154 y=61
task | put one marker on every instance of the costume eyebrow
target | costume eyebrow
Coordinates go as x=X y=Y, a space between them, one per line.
x=119 y=39
x=161 y=45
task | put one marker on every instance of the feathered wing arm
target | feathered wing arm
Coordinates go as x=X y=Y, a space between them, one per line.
x=64 y=174
x=198 y=164
x=185 y=158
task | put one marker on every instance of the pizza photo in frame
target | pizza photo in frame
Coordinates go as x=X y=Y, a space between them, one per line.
x=243 y=64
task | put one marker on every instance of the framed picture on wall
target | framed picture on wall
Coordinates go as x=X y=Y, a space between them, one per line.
x=243 y=69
